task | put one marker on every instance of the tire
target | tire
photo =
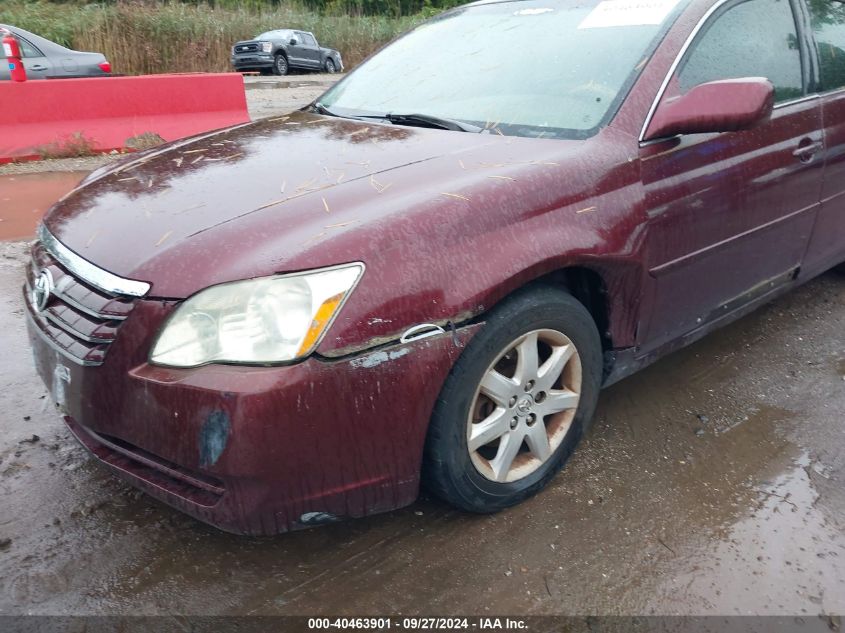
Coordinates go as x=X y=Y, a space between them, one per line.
x=280 y=65
x=330 y=67
x=840 y=268
x=478 y=481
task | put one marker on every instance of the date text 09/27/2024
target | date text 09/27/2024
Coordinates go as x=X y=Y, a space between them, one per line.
x=418 y=623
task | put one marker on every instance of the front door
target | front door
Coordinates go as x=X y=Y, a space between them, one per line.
x=731 y=214
x=297 y=53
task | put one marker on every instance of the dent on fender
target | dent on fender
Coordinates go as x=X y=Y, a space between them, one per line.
x=381 y=356
x=432 y=329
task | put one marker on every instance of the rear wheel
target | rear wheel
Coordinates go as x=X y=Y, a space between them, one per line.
x=280 y=65
x=516 y=402
x=330 y=67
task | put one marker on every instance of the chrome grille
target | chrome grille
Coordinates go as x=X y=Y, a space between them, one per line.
x=79 y=319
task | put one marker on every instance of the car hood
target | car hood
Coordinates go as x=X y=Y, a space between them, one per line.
x=277 y=195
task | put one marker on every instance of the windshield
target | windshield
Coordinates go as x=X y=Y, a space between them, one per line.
x=273 y=35
x=529 y=68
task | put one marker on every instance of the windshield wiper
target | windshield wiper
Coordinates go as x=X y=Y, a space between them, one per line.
x=429 y=120
x=421 y=120
x=319 y=108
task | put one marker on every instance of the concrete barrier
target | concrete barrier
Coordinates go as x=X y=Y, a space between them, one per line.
x=48 y=118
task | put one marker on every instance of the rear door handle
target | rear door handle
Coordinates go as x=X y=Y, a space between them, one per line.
x=38 y=68
x=807 y=150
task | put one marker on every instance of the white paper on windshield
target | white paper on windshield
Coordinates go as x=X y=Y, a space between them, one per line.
x=628 y=13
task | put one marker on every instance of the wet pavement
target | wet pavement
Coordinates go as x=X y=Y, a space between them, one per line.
x=711 y=483
x=24 y=198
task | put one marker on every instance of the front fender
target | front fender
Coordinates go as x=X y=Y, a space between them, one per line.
x=452 y=256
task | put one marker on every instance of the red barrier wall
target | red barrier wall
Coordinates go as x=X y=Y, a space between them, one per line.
x=109 y=111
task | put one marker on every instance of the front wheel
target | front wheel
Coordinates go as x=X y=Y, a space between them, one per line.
x=516 y=402
x=280 y=65
x=330 y=67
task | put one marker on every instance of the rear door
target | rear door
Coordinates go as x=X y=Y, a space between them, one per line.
x=827 y=246
x=731 y=214
x=311 y=51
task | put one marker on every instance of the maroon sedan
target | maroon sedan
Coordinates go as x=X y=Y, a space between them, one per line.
x=429 y=274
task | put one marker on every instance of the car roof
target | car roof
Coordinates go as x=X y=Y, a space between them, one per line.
x=42 y=43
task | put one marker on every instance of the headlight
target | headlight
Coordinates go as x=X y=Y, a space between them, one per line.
x=266 y=47
x=258 y=321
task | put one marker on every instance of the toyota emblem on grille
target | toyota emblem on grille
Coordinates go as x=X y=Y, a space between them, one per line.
x=41 y=290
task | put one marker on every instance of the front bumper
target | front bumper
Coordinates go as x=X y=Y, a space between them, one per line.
x=251 y=60
x=255 y=450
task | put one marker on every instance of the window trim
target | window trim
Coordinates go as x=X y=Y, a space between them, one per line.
x=34 y=47
x=811 y=36
x=679 y=58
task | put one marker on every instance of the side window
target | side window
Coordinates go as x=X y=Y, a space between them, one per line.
x=829 y=26
x=309 y=40
x=757 y=38
x=27 y=49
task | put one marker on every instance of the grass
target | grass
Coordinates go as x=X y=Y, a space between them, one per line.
x=72 y=146
x=141 y=38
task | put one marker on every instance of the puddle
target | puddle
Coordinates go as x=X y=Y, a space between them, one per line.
x=781 y=559
x=24 y=198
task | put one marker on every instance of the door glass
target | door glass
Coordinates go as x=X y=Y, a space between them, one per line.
x=309 y=40
x=753 y=39
x=27 y=49
x=829 y=25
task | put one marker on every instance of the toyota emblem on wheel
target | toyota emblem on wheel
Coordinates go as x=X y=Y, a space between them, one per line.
x=41 y=290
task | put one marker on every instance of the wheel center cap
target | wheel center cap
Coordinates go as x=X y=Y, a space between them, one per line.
x=523 y=406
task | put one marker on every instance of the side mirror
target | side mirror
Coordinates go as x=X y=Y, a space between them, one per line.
x=719 y=106
x=293 y=41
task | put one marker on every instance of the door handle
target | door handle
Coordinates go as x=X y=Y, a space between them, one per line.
x=807 y=150
x=38 y=68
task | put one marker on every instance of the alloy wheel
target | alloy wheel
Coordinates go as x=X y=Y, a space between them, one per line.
x=281 y=65
x=524 y=405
